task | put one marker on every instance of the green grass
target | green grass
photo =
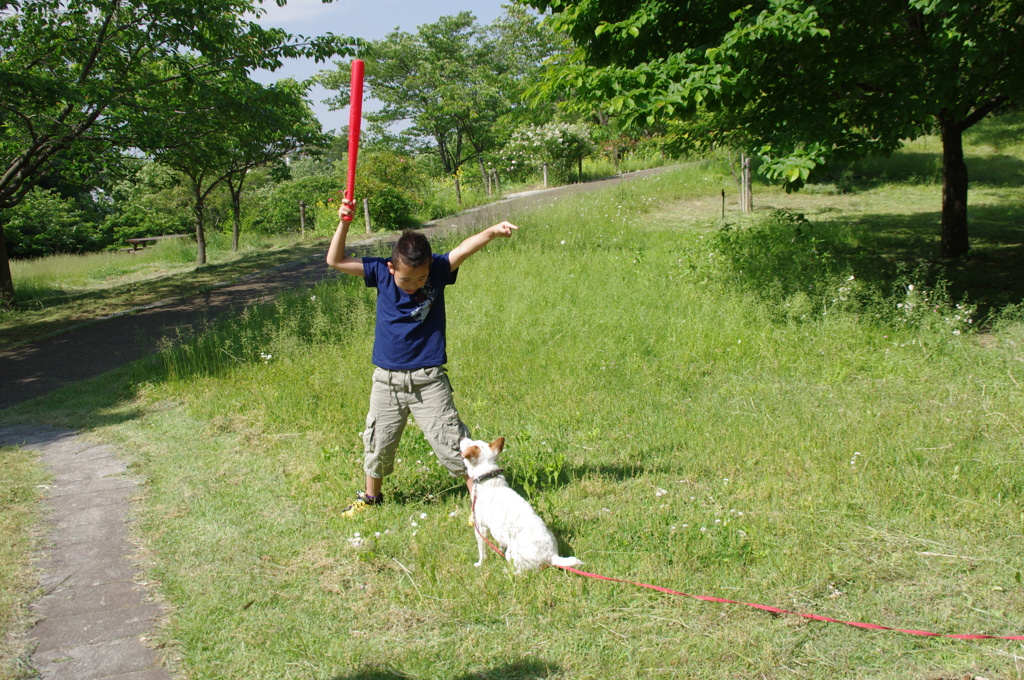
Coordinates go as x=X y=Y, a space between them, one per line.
x=20 y=511
x=58 y=292
x=722 y=412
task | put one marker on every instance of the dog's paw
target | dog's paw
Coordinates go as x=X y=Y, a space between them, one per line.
x=478 y=564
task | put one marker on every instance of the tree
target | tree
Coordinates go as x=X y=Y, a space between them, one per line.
x=450 y=82
x=805 y=82
x=248 y=125
x=279 y=122
x=82 y=78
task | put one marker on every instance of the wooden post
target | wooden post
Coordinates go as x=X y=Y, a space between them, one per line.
x=302 y=218
x=746 y=193
x=748 y=205
x=545 y=175
x=458 y=191
x=497 y=182
x=742 y=183
x=366 y=214
x=723 y=204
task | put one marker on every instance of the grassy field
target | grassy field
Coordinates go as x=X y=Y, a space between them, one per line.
x=53 y=294
x=800 y=408
x=56 y=293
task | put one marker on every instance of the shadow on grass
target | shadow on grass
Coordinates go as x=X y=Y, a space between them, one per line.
x=42 y=315
x=881 y=246
x=920 y=167
x=783 y=255
x=525 y=669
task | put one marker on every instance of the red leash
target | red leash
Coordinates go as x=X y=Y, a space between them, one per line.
x=776 y=610
x=773 y=610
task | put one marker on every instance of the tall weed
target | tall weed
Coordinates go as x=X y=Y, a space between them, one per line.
x=789 y=263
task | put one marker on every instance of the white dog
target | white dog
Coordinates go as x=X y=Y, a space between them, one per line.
x=504 y=515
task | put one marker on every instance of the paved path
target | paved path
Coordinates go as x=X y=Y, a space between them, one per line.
x=95 y=612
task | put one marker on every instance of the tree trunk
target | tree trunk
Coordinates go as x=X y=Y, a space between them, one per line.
x=483 y=174
x=954 y=242
x=236 y=209
x=200 y=229
x=6 y=282
x=236 y=212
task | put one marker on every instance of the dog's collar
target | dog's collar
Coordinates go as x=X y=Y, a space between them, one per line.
x=497 y=472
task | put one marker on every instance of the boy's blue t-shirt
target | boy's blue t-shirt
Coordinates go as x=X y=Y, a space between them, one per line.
x=410 y=329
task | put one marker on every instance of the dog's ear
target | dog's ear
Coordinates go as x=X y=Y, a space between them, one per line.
x=498 y=444
x=471 y=452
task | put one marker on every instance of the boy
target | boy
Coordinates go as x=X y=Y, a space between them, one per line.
x=409 y=349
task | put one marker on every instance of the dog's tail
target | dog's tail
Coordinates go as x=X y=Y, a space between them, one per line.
x=557 y=561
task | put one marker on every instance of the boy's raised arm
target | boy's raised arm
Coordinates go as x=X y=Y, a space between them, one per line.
x=336 y=253
x=476 y=242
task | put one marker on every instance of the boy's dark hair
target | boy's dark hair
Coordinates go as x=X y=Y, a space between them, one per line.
x=412 y=249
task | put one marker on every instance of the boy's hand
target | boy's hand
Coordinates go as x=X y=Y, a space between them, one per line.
x=477 y=241
x=503 y=229
x=345 y=211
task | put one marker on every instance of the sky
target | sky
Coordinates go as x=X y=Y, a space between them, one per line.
x=367 y=19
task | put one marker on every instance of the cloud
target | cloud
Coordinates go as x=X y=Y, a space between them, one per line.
x=298 y=12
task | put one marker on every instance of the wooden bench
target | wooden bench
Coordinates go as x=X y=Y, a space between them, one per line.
x=146 y=240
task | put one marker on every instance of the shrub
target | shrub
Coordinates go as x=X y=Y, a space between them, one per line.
x=275 y=209
x=560 y=145
x=44 y=223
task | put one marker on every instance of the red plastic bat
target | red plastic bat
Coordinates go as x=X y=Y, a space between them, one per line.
x=355 y=116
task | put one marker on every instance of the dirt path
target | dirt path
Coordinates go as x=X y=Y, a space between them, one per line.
x=38 y=368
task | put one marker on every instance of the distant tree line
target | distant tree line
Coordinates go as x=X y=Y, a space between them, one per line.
x=131 y=119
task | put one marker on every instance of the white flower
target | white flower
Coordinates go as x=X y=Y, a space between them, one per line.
x=423 y=515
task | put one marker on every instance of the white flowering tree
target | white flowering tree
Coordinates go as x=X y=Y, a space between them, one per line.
x=560 y=145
